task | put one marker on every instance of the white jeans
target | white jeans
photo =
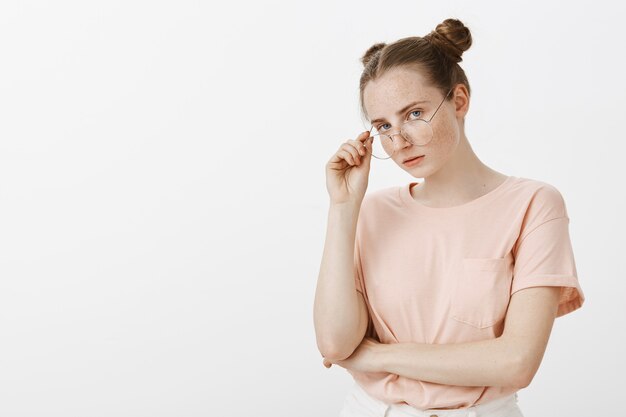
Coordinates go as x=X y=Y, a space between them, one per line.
x=359 y=403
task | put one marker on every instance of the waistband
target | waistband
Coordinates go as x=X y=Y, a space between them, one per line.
x=478 y=410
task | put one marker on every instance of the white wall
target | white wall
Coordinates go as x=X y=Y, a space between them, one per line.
x=163 y=203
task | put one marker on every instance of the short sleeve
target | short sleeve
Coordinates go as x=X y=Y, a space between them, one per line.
x=543 y=253
x=358 y=268
x=360 y=287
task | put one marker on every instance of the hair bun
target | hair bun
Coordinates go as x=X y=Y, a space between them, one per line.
x=452 y=37
x=373 y=50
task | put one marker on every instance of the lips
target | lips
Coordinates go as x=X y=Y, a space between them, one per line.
x=412 y=157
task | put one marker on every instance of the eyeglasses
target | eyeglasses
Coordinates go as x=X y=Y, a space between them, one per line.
x=416 y=131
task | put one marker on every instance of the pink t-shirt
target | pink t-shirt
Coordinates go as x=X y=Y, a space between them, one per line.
x=446 y=275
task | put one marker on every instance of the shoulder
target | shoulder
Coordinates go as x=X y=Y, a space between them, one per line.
x=381 y=207
x=381 y=198
x=534 y=187
x=537 y=203
x=539 y=198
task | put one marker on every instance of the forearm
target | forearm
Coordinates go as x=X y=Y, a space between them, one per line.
x=337 y=315
x=483 y=363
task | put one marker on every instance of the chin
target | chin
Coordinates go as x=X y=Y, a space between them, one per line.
x=417 y=171
x=420 y=172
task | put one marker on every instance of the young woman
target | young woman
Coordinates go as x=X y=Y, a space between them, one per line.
x=437 y=296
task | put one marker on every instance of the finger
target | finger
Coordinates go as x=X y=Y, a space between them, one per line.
x=363 y=137
x=353 y=151
x=367 y=142
x=359 y=145
x=350 y=146
x=347 y=156
x=339 y=157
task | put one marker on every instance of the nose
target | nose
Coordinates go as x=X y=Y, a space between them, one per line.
x=401 y=141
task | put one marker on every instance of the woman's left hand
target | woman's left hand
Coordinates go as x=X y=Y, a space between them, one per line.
x=365 y=358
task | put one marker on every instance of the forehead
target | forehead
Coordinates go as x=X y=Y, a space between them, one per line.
x=399 y=86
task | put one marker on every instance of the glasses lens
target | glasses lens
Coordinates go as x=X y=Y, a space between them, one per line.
x=382 y=146
x=417 y=131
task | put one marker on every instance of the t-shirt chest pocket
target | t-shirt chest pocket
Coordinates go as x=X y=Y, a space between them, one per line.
x=482 y=292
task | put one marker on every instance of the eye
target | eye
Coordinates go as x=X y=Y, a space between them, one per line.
x=417 y=111
x=382 y=128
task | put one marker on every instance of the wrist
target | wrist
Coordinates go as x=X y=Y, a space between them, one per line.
x=351 y=205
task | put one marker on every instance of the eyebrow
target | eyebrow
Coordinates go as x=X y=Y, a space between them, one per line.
x=402 y=110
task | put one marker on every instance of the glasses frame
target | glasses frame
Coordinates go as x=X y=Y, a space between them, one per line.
x=393 y=143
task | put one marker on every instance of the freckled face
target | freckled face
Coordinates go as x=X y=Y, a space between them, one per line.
x=394 y=90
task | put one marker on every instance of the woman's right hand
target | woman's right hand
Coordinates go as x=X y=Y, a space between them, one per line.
x=347 y=171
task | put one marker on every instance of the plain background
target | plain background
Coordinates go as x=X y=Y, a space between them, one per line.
x=163 y=202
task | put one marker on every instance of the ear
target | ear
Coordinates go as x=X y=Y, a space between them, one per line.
x=461 y=100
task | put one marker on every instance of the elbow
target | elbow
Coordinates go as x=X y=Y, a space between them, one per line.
x=523 y=373
x=334 y=352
